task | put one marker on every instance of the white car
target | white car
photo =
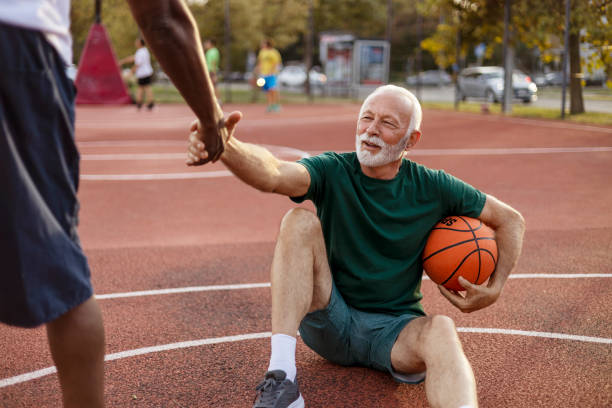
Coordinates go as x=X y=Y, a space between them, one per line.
x=488 y=83
x=294 y=76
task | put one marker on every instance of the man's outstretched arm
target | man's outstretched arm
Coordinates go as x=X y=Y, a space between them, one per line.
x=253 y=164
x=172 y=35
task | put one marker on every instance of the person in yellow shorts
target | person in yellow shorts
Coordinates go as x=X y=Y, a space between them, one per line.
x=269 y=62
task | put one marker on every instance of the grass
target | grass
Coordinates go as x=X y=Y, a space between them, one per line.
x=526 y=111
x=166 y=93
x=591 y=93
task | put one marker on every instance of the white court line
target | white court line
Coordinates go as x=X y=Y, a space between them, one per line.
x=229 y=339
x=160 y=176
x=241 y=286
x=499 y=151
x=133 y=156
x=558 y=336
x=283 y=150
x=131 y=143
x=422 y=152
x=137 y=352
x=183 y=290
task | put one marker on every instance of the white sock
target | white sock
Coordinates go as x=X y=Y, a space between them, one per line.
x=466 y=406
x=283 y=355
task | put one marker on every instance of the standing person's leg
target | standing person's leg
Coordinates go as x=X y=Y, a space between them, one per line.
x=269 y=99
x=76 y=340
x=139 y=95
x=276 y=96
x=149 y=96
x=45 y=274
x=432 y=343
x=301 y=282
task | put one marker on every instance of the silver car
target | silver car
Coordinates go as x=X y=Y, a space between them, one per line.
x=488 y=83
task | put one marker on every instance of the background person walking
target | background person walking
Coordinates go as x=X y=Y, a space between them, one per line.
x=269 y=62
x=143 y=71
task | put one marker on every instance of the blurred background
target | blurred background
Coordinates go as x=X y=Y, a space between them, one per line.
x=342 y=48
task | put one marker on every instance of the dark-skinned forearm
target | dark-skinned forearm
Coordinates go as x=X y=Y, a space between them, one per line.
x=172 y=36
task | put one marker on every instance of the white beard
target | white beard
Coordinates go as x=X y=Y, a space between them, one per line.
x=387 y=153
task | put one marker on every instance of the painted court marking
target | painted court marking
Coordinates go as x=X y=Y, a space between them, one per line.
x=502 y=151
x=242 y=337
x=228 y=339
x=242 y=286
x=282 y=151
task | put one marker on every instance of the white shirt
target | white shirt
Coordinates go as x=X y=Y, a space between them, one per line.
x=51 y=17
x=142 y=60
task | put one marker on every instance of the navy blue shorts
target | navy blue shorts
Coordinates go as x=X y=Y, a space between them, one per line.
x=44 y=272
x=351 y=337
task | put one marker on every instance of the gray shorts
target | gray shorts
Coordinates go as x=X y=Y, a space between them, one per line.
x=351 y=337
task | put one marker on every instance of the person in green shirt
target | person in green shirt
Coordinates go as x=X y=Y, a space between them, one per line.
x=211 y=53
x=349 y=276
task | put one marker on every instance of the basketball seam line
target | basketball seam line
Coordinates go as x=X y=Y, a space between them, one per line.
x=477 y=246
x=455 y=229
x=454 y=245
x=460 y=265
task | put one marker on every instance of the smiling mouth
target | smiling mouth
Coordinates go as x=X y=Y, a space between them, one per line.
x=370 y=145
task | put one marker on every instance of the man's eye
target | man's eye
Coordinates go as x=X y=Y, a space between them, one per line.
x=386 y=122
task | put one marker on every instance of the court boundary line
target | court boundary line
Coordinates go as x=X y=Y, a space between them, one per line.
x=276 y=149
x=242 y=286
x=302 y=154
x=5 y=382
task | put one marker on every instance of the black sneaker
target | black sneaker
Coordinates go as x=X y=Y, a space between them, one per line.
x=276 y=391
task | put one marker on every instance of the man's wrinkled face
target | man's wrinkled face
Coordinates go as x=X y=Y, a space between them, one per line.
x=382 y=129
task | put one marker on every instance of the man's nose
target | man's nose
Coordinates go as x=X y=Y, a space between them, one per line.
x=373 y=128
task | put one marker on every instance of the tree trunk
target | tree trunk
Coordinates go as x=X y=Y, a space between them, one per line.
x=576 y=101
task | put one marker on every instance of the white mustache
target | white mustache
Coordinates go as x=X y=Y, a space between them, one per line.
x=371 y=140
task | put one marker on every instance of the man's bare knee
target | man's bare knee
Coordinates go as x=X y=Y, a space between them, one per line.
x=438 y=332
x=301 y=221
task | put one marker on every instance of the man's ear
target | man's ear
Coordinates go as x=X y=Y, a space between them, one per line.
x=415 y=136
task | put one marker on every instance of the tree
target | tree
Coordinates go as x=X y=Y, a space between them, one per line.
x=536 y=24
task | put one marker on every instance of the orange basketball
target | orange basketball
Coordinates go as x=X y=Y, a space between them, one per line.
x=460 y=246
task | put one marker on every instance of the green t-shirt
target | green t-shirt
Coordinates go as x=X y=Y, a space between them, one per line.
x=212 y=59
x=375 y=230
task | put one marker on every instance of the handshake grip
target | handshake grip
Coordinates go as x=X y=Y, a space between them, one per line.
x=215 y=145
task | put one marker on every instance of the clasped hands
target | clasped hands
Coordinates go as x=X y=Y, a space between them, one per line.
x=207 y=141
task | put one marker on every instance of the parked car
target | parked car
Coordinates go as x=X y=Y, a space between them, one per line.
x=488 y=83
x=295 y=76
x=432 y=77
x=555 y=78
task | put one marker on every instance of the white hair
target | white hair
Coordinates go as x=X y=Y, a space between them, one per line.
x=416 y=114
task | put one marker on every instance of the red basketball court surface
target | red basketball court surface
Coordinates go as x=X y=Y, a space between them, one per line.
x=180 y=260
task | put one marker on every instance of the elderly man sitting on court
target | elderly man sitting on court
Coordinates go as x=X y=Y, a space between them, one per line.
x=349 y=276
